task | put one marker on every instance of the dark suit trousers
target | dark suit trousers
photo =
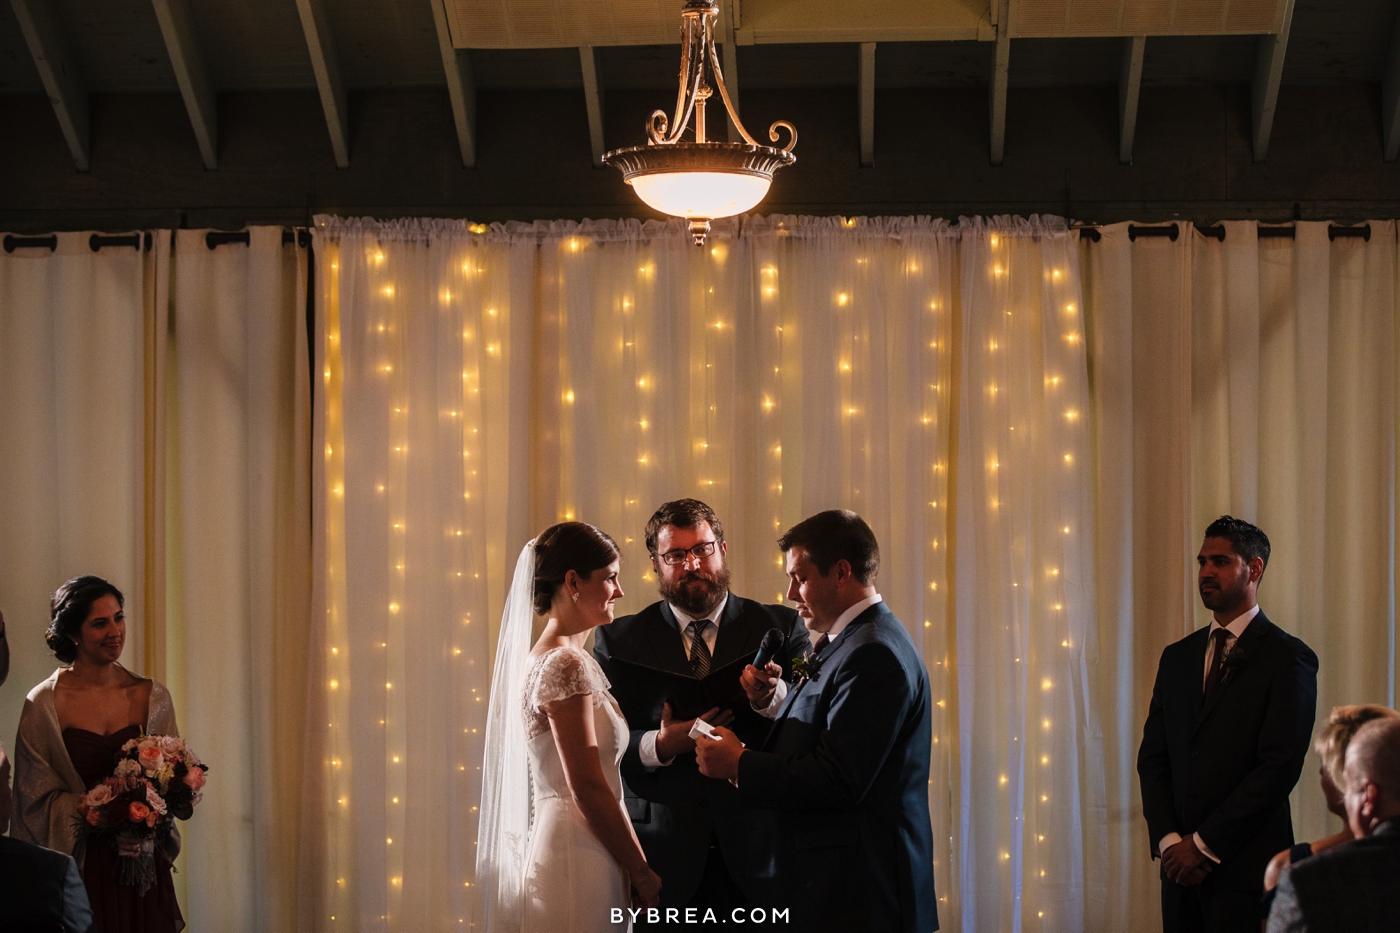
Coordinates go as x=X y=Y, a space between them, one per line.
x=717 y=892
x=1200 y=909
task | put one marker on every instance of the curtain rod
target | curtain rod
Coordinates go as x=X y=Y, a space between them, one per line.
x=1217 y=231
x=142 y=241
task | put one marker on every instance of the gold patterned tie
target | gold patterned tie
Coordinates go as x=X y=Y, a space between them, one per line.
x=699 y=651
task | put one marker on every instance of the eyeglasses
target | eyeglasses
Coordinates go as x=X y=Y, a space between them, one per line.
x=678 y=556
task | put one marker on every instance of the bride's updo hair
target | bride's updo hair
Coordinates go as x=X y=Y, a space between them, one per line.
x=576 y=546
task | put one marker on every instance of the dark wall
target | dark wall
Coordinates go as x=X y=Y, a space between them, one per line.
x=1193 y=157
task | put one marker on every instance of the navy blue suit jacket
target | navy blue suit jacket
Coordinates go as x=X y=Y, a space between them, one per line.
x=842 y=834
x=1224 y=765
x=40 y=890
x=674 y=809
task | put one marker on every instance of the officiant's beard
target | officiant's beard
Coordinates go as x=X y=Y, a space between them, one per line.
x=698 y=592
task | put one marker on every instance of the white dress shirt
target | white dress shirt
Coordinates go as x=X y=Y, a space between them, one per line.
x=1236 y=629
x=646 y=748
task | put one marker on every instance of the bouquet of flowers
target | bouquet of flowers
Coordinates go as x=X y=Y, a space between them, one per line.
x=157 y=778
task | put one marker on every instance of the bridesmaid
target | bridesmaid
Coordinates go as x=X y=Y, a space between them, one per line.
x=72 y=727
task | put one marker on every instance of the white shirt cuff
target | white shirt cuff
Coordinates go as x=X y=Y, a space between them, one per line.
x=1205 y=849
x=1171 y=839
x=646 y=751
x=780 y=692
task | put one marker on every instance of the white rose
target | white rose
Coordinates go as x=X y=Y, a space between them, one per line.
x=127 y=768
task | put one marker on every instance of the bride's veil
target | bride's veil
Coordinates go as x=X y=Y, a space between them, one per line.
x=504 y=827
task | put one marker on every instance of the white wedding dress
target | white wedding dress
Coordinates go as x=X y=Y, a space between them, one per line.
x=572 y=883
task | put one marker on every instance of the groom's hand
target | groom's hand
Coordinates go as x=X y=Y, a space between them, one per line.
x=673 y=738
x=759 y=684
x=719 y=758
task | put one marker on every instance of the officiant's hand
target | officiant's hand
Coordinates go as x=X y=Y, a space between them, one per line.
x=719 y=758
x=1185 y=864
x=759 y=684
x=673 y=738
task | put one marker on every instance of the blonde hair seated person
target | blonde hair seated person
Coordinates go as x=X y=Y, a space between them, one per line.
x=1331 y=746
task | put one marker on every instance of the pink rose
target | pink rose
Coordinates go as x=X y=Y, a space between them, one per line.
x=150 y=757
x=98 y=796
x=195 y=779
x=138 y=811
x=171 y=745
x=154 y=801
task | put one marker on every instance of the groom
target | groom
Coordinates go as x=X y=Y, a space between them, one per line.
x=691 y=829
x=838 y=790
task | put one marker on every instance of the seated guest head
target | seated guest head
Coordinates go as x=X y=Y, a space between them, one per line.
x=1232 y=560
x=832 y=560
x=87 y=622
x=1372 y=775
x=576 y=573
x=1331 y=746
x=688 y=553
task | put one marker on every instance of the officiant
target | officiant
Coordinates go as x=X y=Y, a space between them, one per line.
x=691 y=829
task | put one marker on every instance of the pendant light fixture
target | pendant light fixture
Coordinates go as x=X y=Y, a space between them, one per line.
x=700 y=180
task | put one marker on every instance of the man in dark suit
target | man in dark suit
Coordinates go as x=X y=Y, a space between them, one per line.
x=41 y=891
x=1227 y=730
x=1352 y=887
x=841 y=829
x=691 y=829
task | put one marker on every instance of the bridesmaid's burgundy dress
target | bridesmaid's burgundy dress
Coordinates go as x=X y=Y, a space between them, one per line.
x=118 y=908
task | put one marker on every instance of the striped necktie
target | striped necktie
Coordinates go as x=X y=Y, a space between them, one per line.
x=699 y=651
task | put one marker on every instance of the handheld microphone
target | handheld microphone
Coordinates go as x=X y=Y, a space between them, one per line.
x=768 y=647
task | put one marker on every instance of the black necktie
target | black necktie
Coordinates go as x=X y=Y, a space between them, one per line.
x=1217 y=661
x=699 y=651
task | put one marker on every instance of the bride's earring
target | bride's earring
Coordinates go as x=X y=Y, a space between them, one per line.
x=575 y=597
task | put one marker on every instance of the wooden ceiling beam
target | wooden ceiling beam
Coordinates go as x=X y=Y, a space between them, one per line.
x=48 y=45
x=1129 y=86
x=1001 y=68
x=1268 y=74
x=461 y=89
x=1390 y=97
x=867 y=103
x=593 y=100
x=325 y=63
x=191 y=76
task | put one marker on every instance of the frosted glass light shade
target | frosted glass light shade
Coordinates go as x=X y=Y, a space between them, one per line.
x=701 y=194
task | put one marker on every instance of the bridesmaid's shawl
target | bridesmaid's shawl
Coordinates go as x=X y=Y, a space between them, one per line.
x=47 y=787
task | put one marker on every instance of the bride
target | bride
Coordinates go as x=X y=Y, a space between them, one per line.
x=568 y=861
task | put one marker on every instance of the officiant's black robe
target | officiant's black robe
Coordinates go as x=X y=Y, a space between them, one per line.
x=675 y=810
x=838 y=792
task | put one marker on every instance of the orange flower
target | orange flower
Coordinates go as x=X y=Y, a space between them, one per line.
x=138 y=811
x=93 y=816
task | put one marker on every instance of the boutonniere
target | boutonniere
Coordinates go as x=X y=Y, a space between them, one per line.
x=1232 y=663
x=806 y=667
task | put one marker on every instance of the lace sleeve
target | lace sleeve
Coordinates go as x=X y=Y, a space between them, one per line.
x=563 y=673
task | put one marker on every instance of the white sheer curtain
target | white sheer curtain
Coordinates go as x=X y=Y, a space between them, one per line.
x=483 y=383
x=77 y=341
x=239 y=575
x=1255 y=376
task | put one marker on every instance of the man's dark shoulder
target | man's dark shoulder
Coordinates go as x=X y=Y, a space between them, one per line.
x=32 y=869
x=1286 y=643
x=45 y=861
x=782 y=617
x=1349 y=868
x=886 y=632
